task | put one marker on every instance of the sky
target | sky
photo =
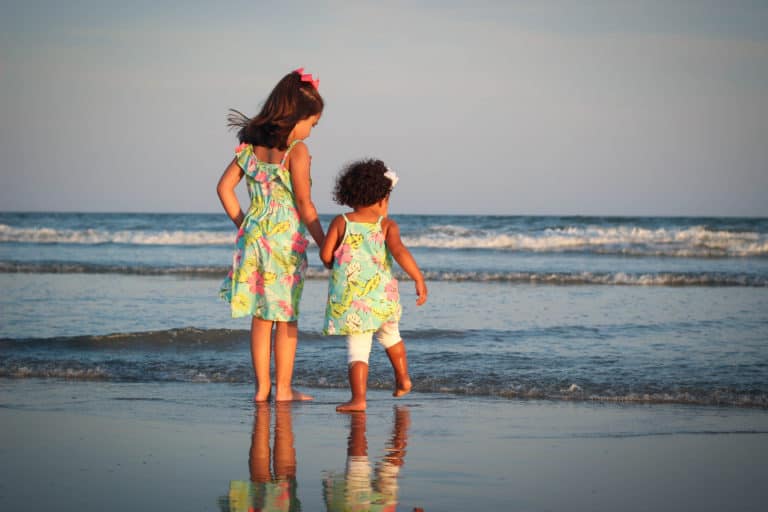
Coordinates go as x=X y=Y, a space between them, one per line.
x=521 y=107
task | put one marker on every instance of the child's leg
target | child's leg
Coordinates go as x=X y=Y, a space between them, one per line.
x=358 y=351
x=286 y=339
x=261 y=344
x=399 y=360
x=389 y=337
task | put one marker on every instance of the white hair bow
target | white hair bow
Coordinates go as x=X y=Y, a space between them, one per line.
x=392 y=175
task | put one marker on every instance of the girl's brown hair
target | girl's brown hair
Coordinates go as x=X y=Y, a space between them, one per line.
x=291 y=101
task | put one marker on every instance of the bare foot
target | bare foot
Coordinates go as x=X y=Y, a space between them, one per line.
x=262 y=397
x=292 y=396
x=352 y=405
x=402 y=387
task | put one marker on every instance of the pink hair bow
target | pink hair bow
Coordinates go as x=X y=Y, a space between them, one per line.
x=307 y=77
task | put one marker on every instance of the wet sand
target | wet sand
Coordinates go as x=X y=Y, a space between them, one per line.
x=120 y=446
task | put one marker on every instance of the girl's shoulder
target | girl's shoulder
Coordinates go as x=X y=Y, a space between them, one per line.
x=388 y=222
x=298 y=145
x=245 y=156
x=244 y=147
x=390 y=228
x=296 y=154
x=338 y=224
x=297 y=148
x=337 y=221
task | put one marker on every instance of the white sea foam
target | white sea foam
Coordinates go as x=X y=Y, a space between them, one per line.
x=696 y=241
x=95 y=236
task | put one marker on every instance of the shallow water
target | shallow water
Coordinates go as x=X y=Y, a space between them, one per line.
x=689 y=345
x=609 y=309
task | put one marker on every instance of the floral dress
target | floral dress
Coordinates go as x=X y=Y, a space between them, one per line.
x=270 y=259
x=362 y=294
x=275 y=495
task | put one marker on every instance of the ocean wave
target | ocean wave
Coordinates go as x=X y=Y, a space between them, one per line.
x=47 y=235
x=189 y=337
x=205 y=339
x=607 y=278
x=12 y=267
x=613 y=394
x=498 y=367
x=190 y=372
x=175 y=338
x=683 y=242
x=235 y=339
x=542 y=278
x=689 y=242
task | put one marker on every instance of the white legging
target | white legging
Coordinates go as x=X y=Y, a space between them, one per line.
x=359 y=344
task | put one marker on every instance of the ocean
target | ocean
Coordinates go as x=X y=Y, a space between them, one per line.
x=606 y=309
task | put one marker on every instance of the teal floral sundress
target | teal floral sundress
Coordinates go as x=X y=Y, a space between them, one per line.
x=270 y=260
x=362 y=293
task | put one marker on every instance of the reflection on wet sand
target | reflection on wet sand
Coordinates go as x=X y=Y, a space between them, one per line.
x=360 y=488
x=272 y=486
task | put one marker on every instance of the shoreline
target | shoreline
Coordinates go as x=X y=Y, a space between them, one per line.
x=148 y=446
x=568 y=396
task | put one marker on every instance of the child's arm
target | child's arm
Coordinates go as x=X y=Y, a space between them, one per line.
x=299 y=161
x=226 y=190
x=332 y=239
x=403 y=258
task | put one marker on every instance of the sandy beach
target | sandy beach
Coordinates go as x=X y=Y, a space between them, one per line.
x=96 y=446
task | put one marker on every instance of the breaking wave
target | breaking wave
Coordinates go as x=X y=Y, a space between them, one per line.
x=682 y=242
x=47 y=235
x=543 y=278
x=696 y=241
x=194 y=355
x=192 y=372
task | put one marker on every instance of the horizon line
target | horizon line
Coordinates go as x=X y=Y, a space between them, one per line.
x=660 y=216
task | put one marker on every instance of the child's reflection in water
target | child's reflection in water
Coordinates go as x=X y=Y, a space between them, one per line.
x=271 y=488
x=356 y=490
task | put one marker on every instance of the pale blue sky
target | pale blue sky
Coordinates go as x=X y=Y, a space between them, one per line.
x=527 y=107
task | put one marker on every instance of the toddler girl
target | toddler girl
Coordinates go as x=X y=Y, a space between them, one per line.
x=363 y=298
x=270 y=260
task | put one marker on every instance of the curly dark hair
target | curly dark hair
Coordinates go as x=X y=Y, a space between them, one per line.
x=291 y=101
x=362 y=183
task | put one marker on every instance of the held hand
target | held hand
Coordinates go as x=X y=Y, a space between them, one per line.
x=239 y=219
x=421 y=293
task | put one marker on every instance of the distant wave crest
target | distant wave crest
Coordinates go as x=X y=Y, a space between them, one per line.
x=697 y=241
x=683 y=242
x=46 y=235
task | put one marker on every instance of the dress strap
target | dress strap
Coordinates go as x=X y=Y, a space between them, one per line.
x=253 y=153
x=344 y=215
x=290 y=147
